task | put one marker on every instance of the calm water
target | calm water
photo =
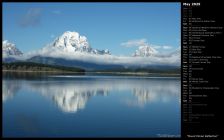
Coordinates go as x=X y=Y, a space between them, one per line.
x=91 y=106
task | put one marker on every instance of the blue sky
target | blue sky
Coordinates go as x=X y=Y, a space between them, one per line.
x=106 y=25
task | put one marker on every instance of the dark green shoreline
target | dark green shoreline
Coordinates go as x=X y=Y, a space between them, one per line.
x=46 y=69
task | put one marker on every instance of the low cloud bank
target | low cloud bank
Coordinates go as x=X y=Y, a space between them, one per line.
x=164 y=59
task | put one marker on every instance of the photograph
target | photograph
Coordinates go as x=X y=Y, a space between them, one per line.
x=91 y=69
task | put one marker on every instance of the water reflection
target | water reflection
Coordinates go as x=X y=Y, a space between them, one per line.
x=72 y=95
x=9 y=89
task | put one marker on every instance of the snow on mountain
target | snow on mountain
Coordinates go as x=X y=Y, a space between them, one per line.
x=72 y=49
x=9 y=49
x=70 y=42
x=144 y=51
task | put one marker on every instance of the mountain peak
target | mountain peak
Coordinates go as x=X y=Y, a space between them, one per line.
x=9 y=49
x=73 y=42
x=144 y=51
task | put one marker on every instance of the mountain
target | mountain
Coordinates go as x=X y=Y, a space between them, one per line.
x=73 y=50
x=9 y=49
x=71 y=42
x=70 y=45
x=9 y=52
x=144 y=51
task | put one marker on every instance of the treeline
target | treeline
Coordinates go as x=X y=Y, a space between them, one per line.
x=146 y=70
x=169 y=71
x=31 y=66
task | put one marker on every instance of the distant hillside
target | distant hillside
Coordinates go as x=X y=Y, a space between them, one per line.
x=150 y=69
x=37 y=67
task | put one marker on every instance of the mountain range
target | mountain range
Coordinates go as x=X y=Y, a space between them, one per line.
x=73 y=49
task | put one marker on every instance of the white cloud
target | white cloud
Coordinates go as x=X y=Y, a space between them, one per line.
x=162 y=58
x=134 y=43
x=143 y=42
x=156 y=46
x=161 y=47
x=168 y=59
x=167 y=47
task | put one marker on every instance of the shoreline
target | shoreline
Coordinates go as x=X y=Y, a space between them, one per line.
x=21 y=71
x=115 y=73
x=133 y=73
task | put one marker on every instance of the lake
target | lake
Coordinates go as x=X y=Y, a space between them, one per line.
x=91 y=106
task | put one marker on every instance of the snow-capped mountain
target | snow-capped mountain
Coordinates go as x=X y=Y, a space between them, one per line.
x=73 y=42
x=9 y=49
x=73 y=50
x=144 y=51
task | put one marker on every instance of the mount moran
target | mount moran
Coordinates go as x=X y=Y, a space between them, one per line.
x=72 y=49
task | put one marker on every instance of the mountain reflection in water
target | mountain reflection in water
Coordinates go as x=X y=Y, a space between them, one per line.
x=71 y=94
